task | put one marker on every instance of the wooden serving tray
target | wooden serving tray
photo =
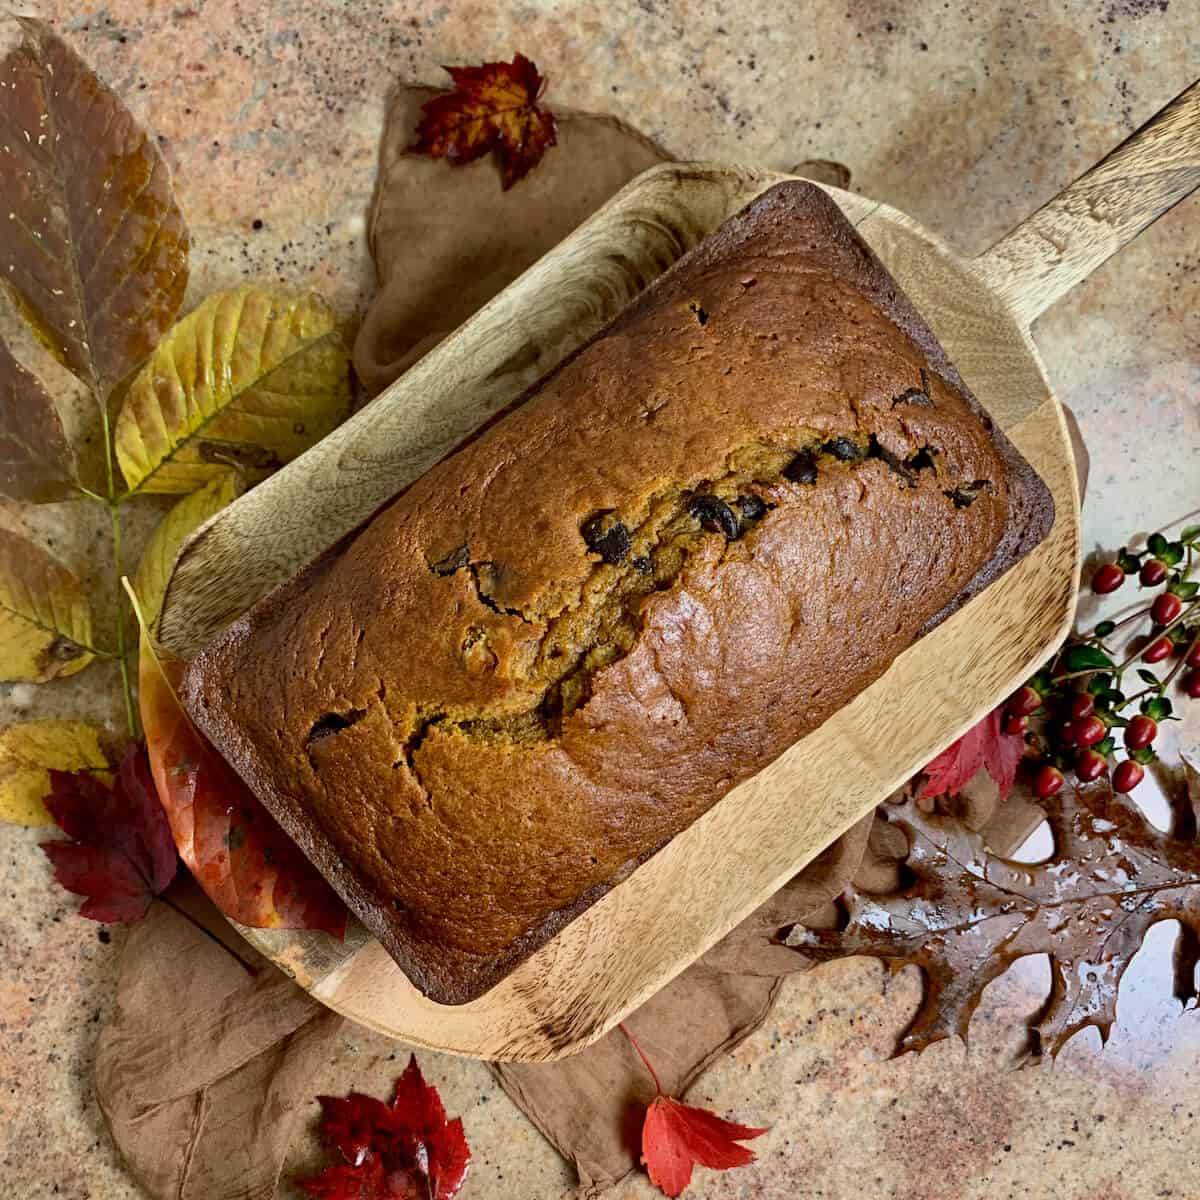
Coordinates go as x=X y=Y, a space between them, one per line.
x=680 y=902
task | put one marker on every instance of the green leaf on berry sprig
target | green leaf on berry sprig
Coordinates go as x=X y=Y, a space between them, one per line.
x=1086 y=658
x=968 y=914
x=1129 y=563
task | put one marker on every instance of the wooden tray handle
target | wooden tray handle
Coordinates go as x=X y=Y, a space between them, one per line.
x=1062 y=243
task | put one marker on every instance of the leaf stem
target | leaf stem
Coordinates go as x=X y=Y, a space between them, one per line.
x=112 y=502
x=1122 y=667
x=208 y=933
x=642 y=1055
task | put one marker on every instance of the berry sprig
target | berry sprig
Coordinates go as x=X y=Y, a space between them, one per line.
x=1078 y=701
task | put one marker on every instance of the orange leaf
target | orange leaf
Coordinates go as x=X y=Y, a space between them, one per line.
x=675 y=1136
x=492 y=108
x=250 y=869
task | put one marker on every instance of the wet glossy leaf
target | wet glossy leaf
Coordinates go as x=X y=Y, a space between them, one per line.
x=969 y=914
x=93 y=240
x=29 y=751
x=249 y=379
x=36 y=463
x=45 y=619
x=405 y=1150
x=158 y=558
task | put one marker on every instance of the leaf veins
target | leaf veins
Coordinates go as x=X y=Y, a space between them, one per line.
x=93 y=240
x=968 y=915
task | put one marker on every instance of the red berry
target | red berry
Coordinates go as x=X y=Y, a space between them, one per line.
x=1140 y=732
x=1089 y=731
x=1083 y=704
x=1127 y=776
x=1191 y=684
x=1024 y=701
x=1153 y=572
x=1192 y=658
x=1047 y=781
x=1090 y=765
x=1166 y=608
x=1107 y=579
x=1014 y=724
x=1066 y=735
x=1157 y=650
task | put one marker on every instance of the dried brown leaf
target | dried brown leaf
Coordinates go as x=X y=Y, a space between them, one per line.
x=36 y=463
x=968 y=914
x=93 y=242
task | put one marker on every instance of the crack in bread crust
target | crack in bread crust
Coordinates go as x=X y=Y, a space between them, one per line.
x=605 y=624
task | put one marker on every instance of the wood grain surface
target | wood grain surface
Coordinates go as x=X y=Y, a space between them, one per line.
x=1108 y=206
x=685 y=898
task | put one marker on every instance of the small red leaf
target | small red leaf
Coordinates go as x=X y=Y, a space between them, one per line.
x=394 y=1151
x=365 y=1182
x=493 y=107
x=351 y=1124
x=122 y=854
x=675 y=1136
x=983 y=745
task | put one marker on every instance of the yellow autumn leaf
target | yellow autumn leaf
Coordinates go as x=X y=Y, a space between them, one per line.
x=45 y=619
x=29 y=751
x=158 y=559
x=249 y=379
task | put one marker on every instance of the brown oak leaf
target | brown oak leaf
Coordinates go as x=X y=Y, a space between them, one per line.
x=968 y=914
x=493 y=107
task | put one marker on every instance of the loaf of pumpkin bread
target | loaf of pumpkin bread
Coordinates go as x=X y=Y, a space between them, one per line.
x=682 y=551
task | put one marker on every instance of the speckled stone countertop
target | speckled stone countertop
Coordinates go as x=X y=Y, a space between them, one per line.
x=967 y=116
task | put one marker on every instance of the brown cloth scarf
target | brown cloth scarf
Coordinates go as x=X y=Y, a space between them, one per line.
x=205 y=1075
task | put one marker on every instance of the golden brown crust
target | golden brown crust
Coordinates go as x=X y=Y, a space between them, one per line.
x=690 y=545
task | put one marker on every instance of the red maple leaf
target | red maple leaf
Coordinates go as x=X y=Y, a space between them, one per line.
x=493 y=107
x=676 y=1136
x=405 y=1150
x=983 y=745
x=122 y=854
